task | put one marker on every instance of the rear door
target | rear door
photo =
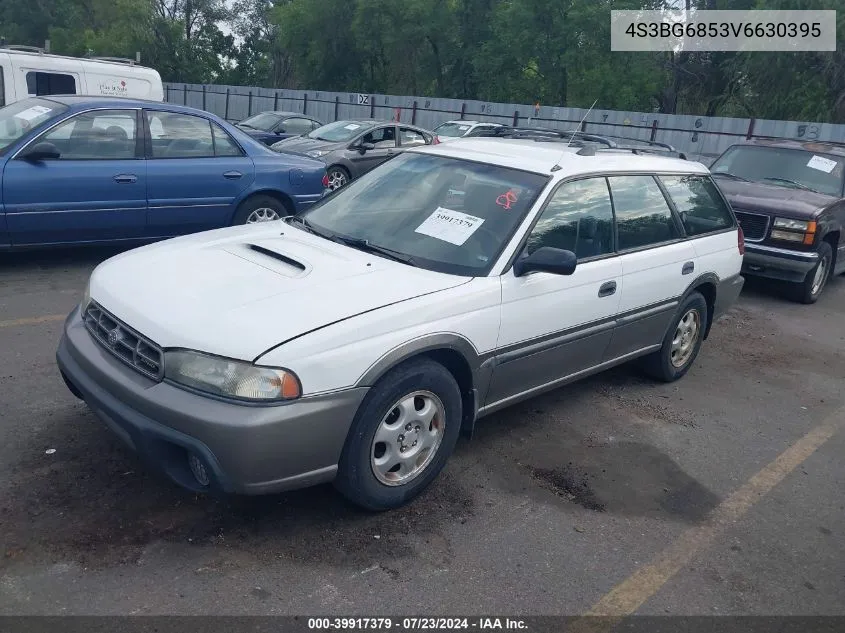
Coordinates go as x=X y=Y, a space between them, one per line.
x=384 y=140
x=658 y=264
x=95 y=190
x=195 y=173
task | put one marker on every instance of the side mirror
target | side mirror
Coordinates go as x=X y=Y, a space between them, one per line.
x=280 y=131
x=366 y=147
x=42 y=151
x=546 y=260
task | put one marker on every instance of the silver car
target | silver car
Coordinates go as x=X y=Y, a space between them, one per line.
x=351 y=148
x=452 y=130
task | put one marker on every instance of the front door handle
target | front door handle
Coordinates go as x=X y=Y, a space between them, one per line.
x=232 y=175
x=124 y=179
x=608 y=288
x=688 y=268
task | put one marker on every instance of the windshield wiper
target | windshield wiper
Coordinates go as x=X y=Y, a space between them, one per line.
x=795 y=183
x=305 y=224
x=730 y=175
x=365 y=245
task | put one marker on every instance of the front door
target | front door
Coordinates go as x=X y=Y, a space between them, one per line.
x=95 y=191
x=554 y=326
x=195 y=173
x=384 y=140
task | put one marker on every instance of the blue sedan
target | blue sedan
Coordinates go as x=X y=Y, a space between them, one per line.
x=79 y=170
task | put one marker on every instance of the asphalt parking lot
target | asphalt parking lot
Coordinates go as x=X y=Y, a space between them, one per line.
x=719 y=494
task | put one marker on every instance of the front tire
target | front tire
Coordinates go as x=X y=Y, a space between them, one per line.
x=338 y=177
x=259 y=209
x=401 y=437
x=811 y=288
x=682 y=341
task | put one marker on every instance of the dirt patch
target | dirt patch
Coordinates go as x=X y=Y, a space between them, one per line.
x=94 y=503
x=629 y=391
x=564 y=483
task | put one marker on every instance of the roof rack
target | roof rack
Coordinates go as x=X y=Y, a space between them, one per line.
x=22 y=47
x=118 y=60
x=589 y=143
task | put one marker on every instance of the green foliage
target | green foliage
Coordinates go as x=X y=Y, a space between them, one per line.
x=556 y=52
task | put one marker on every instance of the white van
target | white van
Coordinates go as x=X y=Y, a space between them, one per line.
x=31 y=72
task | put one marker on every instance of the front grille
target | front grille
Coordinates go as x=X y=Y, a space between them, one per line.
x=754 y=225
x=124 y=342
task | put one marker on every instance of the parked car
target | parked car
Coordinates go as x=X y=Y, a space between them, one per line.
x=272 y=127
x=789 y=197
x=28 y=71
x=444 y=285
x=92 y=170
x=352 y=148
x=452 y=130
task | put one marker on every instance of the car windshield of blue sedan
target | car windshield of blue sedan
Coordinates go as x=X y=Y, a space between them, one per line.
x=20 y=118
x=443 y=214
x=264 y=121
x=339 y=131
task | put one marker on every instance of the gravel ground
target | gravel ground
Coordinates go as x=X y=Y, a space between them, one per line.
x=553 y=502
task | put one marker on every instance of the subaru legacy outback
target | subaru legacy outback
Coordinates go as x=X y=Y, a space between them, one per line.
x=354 y=343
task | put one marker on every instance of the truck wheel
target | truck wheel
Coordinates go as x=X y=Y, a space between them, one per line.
x=811 y=288
x=401 y=437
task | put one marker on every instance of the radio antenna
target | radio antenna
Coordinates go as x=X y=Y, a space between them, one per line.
x=574 y=132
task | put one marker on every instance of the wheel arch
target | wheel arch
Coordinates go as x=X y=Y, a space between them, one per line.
x=285 y=200
x=832 y=237
x=708 y=286
x=456 y=353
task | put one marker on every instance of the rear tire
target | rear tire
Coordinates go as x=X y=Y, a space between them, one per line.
x=682 y=341
x=261 y=208
x=403 y=433
x=811 y=288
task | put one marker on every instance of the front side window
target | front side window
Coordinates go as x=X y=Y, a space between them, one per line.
x=699 y=204
x=22 y=117
x=180 y=135
x=786 y=167
x=577 y=218
x=42 y=84
x=297 y=126
x=381 y=137
x=643 y=217
x=446 y=214
x=97 y=135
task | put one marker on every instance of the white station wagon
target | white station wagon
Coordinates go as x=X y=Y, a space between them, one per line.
x=354 y=343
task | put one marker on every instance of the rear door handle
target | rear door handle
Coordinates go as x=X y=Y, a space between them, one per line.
x=232 y=175
x=688 y=268
x=124 y=179
x=608 y=288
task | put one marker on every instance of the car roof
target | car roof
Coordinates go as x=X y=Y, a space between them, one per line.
x=466 y=122
x=837 y=149
x=280 y=113
x=82 y=101
x=554 y=158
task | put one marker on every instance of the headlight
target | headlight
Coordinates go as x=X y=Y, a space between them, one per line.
x=315 y=154
x=230 y=378
x=792 y=225
x=787 y=236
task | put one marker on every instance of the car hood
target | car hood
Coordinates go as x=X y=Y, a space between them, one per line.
x=238 y=292
x=303 y=145
x=757 y=196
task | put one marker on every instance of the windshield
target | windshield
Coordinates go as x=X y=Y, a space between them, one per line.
x=787 y=167
x=452 y=129
x=339 y=131
x=445 y=214
x=20 y=118
x=264 y=121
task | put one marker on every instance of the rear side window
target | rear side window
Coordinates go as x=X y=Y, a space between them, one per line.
x=408 y=136
x=297 y=126
x=40 y=84
x=699 y=204
x=180 y=135
x=643 y=217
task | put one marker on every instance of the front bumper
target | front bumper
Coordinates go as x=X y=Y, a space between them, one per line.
x=247 y=449
x=777 y=263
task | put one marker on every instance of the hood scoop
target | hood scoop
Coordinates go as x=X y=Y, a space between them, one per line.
x=277 y=256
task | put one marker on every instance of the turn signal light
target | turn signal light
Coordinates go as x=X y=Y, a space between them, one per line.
x=810 y=234
x=325 y=180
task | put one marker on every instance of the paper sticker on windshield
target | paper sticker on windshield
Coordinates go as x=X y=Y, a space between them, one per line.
x=33 y=113
x=822 y=164
x=463 y=128
x=351 y=127
x=450 y=226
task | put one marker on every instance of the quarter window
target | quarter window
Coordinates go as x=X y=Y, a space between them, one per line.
x=99 y=135
x=39 y=84
x=180 y=135
x=223 y=143
x=699 y=204
x=643 y=217
x=577 y=218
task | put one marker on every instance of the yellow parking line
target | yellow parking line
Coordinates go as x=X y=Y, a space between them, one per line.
x=47 y=318
x=645 y=582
